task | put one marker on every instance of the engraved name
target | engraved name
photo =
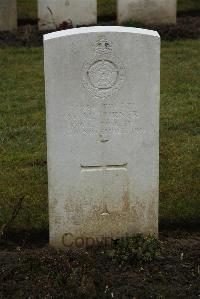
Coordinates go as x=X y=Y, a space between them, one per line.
x=109 y=118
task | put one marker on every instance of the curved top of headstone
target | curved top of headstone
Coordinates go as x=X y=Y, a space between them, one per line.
x=99 y=29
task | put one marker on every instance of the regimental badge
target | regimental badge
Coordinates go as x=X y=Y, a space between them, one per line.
x=104 y=74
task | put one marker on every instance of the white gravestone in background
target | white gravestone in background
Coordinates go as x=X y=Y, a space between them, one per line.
x=147 y=11
x=54 y=13
x=8 y=15
x=102 y=105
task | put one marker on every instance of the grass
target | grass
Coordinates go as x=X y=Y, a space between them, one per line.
x=188 y=5
x=180 y=95
x=22 y=136
x=107 y=9
x=23 y=144
x=27 y=9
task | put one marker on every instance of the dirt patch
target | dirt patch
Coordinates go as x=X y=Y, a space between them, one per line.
x=27 y=272
x=28 y=35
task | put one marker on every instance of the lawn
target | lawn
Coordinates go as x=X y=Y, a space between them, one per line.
x=23 y=142
x=27 y=9
x=188 y=5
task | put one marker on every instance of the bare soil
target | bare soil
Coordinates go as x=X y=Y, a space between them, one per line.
x=187 y=27
x=30 y=269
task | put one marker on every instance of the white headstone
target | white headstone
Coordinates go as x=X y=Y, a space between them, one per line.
x=102 y=101
x=147 y=11
x=8 y=15
x=53 y=14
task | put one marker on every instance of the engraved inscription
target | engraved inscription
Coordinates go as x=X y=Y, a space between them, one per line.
x=104 y=74
x=112 y=119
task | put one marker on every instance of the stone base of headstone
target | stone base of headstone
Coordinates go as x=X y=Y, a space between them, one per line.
x=147 y=11
x=8 y=15
x=54 y=15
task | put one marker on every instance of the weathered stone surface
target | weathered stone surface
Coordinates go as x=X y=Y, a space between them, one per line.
x=8 y=15
x=52 y=14
x=147 y=11
x=102 y=101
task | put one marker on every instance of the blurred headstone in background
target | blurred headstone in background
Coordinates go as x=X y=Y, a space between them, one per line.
x=64 y=14
x=147 y=11
x=8 y=15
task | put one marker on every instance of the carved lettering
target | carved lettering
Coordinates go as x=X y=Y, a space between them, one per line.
x=112 y=119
